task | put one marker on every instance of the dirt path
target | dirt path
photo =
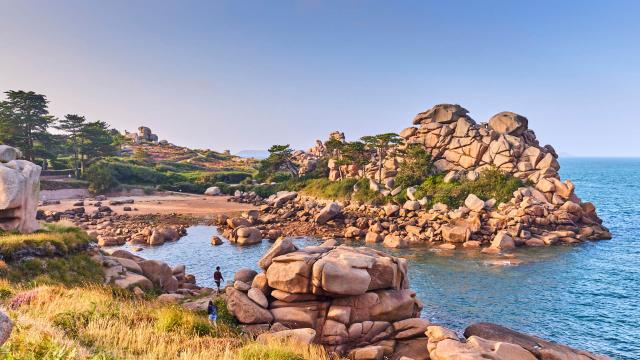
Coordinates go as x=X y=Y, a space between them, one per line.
x=166 y=203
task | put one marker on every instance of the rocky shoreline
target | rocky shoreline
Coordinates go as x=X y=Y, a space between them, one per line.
x=95 y=215
x=525 y=221
x=357 y=302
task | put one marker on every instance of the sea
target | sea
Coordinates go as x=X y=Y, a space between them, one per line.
x=586 y=296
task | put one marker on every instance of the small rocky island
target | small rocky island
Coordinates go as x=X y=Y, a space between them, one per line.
x=543 y=211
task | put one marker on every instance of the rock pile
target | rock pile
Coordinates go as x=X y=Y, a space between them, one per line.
x=345 y=298
x=125 y=270
x=19 y=191
x=528 y=219
x=111 y=229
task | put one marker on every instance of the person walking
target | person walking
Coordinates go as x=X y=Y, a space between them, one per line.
x=212 y=310
x=217 y=277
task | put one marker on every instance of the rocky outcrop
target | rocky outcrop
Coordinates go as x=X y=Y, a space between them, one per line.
x=491 y=341
x=19 y=192
x=540 y=348
x=348 y=298
x=546 y=211
x=128 y=271
x=144 y=134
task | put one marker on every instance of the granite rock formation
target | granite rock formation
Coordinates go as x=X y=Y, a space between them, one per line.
x=19 y=192
x=348 y=298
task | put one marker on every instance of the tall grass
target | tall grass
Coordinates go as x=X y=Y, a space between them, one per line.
x=97 y=323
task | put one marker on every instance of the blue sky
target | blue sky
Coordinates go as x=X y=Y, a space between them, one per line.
x=247 y=74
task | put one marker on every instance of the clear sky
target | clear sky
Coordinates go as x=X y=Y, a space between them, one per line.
x=247 y=74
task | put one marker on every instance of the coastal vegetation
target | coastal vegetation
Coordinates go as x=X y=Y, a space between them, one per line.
x=415 y=170
x=101 y=158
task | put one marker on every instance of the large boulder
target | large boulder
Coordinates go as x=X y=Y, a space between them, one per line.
x=245 y=275
x=19 y=192
x=542 y=349
x=508 y=123
x=245 y=310
x=474 y=203
x=502 y=241
x=160 y=274
x=340 y=271
x=381 y=305
x=247 y=236
x=132 y=280
x=163 y=234
x=282 y=246
x=455 y=233
x=8 y=153
x=330 y=211
x=213 y=191
x=281 y=197
x=441 y=113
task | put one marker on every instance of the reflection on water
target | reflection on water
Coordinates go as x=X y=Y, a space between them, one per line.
x=584 y=296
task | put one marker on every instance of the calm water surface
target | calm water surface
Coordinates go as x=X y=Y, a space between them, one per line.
x=584 y=296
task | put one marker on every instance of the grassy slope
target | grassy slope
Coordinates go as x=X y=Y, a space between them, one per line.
x=61 y=310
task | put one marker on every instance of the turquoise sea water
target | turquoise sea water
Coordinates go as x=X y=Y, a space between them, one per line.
x=585 y=296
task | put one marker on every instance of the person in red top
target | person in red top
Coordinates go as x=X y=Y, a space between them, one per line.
x=217 y=277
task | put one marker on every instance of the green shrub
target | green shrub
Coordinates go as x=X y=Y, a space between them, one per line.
x=415 y=167
x=73 y=322
x=224 y=315
x=177 y=319
x=492 y=183
x=101 y=178
x=105 y=175
x=229 y=177
x=366 y=195
x=326 y=189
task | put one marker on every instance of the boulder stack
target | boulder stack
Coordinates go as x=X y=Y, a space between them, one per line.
x=19 y=192
x=128 y=271
x=349 y=298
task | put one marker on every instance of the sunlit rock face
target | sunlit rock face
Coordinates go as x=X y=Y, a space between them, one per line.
x=19 y=192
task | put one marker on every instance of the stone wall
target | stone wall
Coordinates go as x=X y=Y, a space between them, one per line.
x=19 y=192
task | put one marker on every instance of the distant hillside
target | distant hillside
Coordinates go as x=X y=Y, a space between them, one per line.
x=256 y=154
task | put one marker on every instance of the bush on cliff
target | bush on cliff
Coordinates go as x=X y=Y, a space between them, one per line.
x=492 y=183
x=415 y=167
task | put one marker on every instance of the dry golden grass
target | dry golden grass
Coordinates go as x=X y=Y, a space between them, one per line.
x=96 y=322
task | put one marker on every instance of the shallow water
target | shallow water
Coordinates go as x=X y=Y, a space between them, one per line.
x=585 y=296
